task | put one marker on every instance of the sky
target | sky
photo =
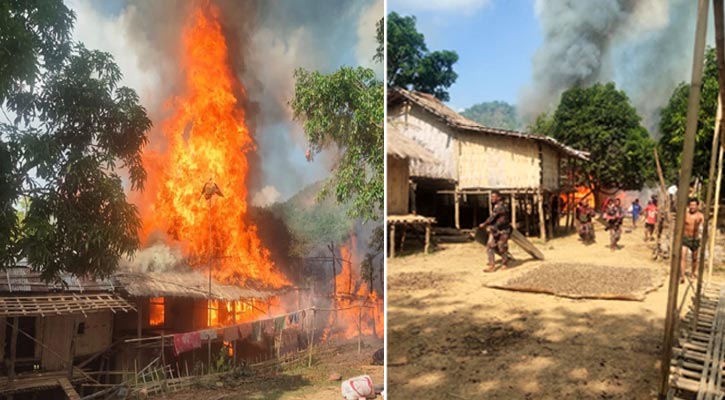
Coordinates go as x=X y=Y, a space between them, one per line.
x=528 y=52
x=316 y=35
x=495 y=42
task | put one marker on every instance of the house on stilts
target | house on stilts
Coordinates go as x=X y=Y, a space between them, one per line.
x=535 y=173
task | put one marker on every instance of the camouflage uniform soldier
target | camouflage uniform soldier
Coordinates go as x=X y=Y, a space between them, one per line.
x=499 y=229
x=614 y=217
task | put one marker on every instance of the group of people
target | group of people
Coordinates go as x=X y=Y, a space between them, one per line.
x=614 y=215
x=500 y=230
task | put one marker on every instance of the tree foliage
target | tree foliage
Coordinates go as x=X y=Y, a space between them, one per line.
x=346 y=108
x=411 y=65
x=74 y=129
x=600 y=119
x=494 y=114
x=674 y=119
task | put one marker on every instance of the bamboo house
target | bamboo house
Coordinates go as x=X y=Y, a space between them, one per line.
x=533 y=172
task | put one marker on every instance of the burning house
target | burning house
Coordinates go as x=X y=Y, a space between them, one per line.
x=532 y=171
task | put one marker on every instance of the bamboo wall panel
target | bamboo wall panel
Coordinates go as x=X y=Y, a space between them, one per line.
x=97 y=334
x=437 y=137
x=551 y=168
x=497 y=162
x=397 y=182
x=57 y=334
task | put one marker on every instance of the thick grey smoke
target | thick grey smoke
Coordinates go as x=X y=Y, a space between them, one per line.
x=268 y=40
x=642 y=45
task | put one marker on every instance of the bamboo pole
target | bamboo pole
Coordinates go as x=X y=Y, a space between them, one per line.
x=359 y=330
x=13 y=348
x=693 y=108
x=706 y=211
x=312 y=339
x=457 y=208
x=711 y=245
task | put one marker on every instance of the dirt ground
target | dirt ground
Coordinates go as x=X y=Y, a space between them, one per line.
x=299 y=383
x=451 y=337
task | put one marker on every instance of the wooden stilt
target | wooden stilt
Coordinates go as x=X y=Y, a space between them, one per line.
x=13 y=349
x=513 y=210
x=542 y=221
x=457 y=207
x=427 y=238
x=392 y=240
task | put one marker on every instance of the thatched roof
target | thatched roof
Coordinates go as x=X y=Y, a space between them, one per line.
x=401 y=146
x=181 y=284
x=455 y=120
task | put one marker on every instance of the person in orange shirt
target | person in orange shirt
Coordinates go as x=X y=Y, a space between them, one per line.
x=650 y=220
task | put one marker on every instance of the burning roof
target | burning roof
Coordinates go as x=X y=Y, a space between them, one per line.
x=190 y=284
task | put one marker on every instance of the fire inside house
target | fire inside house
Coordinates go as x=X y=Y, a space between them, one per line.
x=223 y=301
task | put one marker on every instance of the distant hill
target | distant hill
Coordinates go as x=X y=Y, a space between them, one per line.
x=313 y=223
x=494 y=114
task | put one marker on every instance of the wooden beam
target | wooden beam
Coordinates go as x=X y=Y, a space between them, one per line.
x=685 y=176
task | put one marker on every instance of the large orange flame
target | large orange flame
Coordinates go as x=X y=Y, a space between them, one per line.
x=207 y=139
x=360 y=310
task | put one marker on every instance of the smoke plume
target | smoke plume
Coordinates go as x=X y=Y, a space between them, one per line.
x=642 y=45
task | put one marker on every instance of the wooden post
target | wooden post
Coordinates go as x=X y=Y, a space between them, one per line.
x=312 y=338
x=163 y=350
x=72 y=350
x=457 y=207
x=13 y=348
x=427 y=238
x=693 y=108
x=359 y=329
x=542 y=221
x=706 y=212
x=392 y=241
x=513 y=210
x=711 y=245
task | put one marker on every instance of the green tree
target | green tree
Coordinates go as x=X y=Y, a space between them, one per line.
x=74 y=129
x=411 y=65
x=600 y=119
x=494 y=114
x=542 y=125
x=674 y=118
x=346 y=108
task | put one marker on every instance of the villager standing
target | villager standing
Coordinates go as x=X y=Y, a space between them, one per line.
x=614 y=217
x=650 y=220
x=691 y=237
x=636 y=210
x=584 y=215
x=499 y=230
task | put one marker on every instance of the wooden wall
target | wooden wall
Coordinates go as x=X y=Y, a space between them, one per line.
x=57 y=333
x=551 y=162
x=437 y=137
x=397 y=182
x=498 y=162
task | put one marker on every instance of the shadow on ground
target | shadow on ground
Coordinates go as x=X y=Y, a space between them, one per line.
x=563 y=354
